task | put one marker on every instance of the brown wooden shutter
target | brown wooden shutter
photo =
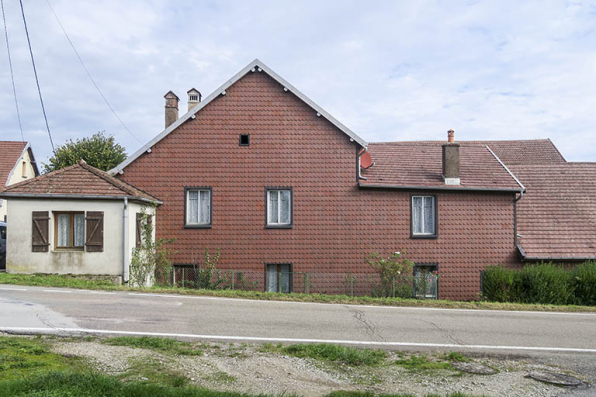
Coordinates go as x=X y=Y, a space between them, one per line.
x=40 y=231
x=94 y=233
x=139 y=229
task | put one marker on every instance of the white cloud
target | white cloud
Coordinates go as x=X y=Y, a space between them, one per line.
x=389 y=70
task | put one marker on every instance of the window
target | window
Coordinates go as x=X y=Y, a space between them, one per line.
x=278 y=278
x=424 y=216
x=194 y=97
x=244 y=139
x=279 y=208
x=426 y=281
x=69 y=230
x=198 y=207
x=24 y=173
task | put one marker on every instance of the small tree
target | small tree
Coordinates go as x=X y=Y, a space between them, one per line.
x=150 y=262
x=98 y=151
x=395 y=273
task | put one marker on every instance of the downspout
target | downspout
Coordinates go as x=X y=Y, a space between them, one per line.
x=359 y=167
x=124 y=241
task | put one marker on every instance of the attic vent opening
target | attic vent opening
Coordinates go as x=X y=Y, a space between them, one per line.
x=194 y=98
x=244 y=139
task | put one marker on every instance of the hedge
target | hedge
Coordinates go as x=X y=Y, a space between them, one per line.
x=544 y=283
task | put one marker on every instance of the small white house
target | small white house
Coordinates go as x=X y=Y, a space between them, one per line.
x=78 y=220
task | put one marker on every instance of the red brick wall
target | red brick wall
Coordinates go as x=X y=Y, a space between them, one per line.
x=336 y=225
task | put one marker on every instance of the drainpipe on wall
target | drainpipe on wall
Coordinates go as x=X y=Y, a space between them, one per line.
x=360 y=168
x=124 y=241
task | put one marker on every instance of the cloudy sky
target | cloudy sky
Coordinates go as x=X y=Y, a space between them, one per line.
x=389 y=70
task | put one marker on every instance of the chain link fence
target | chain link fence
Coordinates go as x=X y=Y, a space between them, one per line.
x=279 y=280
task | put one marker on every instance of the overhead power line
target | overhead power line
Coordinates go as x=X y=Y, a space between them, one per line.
x=14 y=90
x=89 y=74
x=36 y=79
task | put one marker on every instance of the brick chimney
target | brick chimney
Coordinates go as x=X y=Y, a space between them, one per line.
x=194 y=98
x=451 y=160
x=171 y=108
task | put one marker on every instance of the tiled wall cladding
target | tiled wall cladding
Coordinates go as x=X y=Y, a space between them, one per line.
x=336 y=225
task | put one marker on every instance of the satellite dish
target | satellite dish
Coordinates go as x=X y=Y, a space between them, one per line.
x=366 y=160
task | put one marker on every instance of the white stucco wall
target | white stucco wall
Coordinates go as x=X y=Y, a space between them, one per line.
x=16 y=176
x=21 y=259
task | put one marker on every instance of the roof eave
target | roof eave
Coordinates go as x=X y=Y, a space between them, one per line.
x=445 y=188
x=256 y=64
x=77 y=197
x=525 y=258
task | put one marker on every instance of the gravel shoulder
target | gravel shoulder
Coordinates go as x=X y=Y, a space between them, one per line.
x=251 y=368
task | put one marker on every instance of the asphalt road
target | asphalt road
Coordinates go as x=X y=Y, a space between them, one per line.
x=568 y=339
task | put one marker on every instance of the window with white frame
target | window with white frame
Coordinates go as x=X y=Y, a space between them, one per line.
x=279 y=207
x=424 y=216
x=198 y=207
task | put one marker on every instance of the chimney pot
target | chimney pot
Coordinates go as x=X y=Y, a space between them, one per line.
x=171 y=108
x=194 y=98
x=451 y=160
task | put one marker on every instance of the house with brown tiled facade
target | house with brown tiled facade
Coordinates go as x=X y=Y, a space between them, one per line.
x=261 y=172
x=296 y=201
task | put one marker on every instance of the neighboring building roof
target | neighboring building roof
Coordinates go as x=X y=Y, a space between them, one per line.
x=532 y=151
x=419 y=165
x=254 y=66
x=79 y=181
x=557 y=215
x=11 y=153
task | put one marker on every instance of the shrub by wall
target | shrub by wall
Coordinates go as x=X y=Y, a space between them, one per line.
x=544 y=283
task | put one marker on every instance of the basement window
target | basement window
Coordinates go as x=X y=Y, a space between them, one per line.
x=244 y=139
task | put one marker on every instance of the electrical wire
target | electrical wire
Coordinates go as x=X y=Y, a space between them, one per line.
x=36 y=79
x=14 y=90
x=89 y=74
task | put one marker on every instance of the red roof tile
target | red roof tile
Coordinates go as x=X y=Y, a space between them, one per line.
x=557 y=215
x=77 y=180
x=9 y=155
x=420 y=164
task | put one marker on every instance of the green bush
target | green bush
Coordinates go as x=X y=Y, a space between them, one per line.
x=499 y=284
x=544 y=283
x=583 y=278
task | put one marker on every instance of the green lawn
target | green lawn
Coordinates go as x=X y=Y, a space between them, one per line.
x=65 y=281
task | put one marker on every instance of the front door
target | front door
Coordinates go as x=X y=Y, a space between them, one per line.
x=278 y=278
x=426 y=281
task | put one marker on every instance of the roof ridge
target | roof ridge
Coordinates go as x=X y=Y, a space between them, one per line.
x=40 y=177
x=507 y=169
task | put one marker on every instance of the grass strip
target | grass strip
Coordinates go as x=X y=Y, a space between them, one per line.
x=164 y=345
x=338 y=354
x=66 y=281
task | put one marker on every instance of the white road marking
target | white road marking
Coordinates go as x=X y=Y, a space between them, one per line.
x=102 y=293
x=57 y=290
x=13 y=289
x=290 y=340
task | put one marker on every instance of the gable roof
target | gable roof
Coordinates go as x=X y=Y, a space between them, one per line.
x=79 y=181
x=418 y=165
x=12 y=152
x=557 y=215
x=254 y=66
